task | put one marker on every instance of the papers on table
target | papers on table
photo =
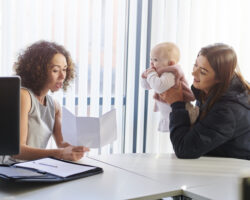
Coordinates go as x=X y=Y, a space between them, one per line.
x=17 y=172
x=92 y=132
x=56 y=167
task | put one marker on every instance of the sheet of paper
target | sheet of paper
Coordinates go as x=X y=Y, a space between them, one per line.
x=92 y=132
x=69 y=127
x=56 y=167
x=88 y=131
x=17 y=172
x=108 y=129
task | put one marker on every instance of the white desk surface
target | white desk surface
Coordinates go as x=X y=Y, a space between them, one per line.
x=209 y=177
x=114 y=183
x=227 y=189
x=141 y=176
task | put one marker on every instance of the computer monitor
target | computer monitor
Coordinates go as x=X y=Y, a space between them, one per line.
x=9 y=115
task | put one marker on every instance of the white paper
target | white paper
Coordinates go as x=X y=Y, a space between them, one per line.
x=92 y=132
x=56 y=167
x=17 y=172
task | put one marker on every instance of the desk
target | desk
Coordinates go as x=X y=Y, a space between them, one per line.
x=203 y=178
x=226 y=189
x=141 y=176
x=113 y=184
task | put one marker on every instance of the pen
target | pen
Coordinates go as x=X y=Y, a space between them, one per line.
x=47 y=165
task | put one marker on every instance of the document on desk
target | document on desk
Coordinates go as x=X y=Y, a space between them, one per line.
x=92 y=132
x=17 y=172
x=56 y=167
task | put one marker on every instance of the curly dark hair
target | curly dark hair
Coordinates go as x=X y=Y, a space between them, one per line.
x=32 y=65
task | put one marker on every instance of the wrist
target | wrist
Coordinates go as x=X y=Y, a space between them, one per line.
x=178 y=105
x=59 y=153
x=63 y=144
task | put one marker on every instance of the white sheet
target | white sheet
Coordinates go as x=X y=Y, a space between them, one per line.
x=57 y=167
x=92 y=132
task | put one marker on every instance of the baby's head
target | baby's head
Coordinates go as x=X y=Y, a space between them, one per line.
x=164 y=54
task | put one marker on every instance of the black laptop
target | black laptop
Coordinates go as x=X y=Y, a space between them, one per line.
x=9 y=115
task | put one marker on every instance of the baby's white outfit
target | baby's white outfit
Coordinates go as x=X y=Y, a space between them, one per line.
x=160 y=85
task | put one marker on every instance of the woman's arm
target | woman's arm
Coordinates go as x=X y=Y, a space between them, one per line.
x=204 y=136
x=57 y=132
x=30 y=153
x=26 y=152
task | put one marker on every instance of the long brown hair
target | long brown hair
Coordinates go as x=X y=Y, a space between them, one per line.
x=223 y=60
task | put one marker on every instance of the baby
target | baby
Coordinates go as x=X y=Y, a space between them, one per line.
x=163 y=74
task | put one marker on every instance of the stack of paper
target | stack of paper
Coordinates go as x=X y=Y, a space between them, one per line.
x=56 y=167
x=46 y=170
x=92 y=132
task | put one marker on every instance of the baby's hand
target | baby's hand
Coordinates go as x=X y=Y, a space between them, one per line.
x=147 y=71
x=144 y=74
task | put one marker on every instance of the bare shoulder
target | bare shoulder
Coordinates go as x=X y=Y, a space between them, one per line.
x=25 y=92
x=25 y=95
x=25 y=99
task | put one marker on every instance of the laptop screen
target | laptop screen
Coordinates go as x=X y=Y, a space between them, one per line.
x=9 y=115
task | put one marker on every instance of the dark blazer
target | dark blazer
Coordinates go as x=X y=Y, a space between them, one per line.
x=223 y=132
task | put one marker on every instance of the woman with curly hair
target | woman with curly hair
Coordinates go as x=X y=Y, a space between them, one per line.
x=43 y=67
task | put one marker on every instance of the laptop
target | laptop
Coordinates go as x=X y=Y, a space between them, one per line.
x=9 y=115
